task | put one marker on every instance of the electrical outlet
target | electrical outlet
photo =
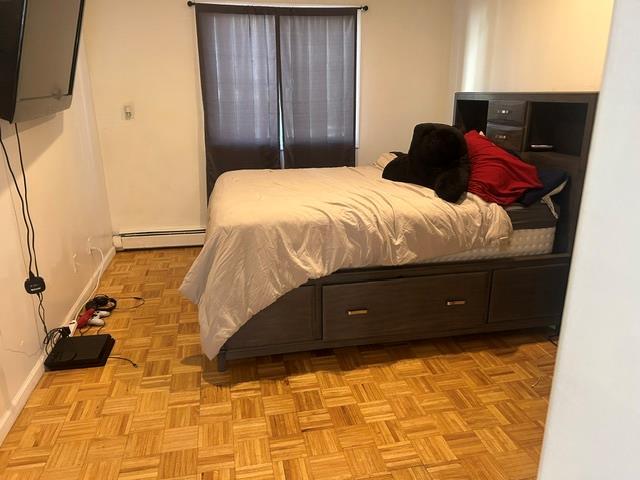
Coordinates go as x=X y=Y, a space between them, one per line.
x=128 y=112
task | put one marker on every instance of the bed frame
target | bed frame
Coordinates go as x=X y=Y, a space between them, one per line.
x=391 y=304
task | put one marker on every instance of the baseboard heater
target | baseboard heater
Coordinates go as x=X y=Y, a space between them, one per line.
x=159 y=239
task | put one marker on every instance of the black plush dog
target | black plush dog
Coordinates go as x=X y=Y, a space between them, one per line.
x=437 y=159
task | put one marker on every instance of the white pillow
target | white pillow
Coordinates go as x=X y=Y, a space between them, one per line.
x=383 y=160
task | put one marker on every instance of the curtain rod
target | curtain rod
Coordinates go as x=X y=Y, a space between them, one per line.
x=364 y=8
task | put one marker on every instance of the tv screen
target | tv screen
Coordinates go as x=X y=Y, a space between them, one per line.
x=38 y=51
x=48 y=48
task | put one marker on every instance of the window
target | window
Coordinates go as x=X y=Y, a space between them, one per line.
x=279 y=86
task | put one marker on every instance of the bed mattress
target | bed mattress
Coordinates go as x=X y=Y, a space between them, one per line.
x=534 y=230
x=523 y=242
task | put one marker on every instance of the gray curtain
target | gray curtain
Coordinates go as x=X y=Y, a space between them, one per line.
x=238 y=71
x=318 y=82
x=275 y=77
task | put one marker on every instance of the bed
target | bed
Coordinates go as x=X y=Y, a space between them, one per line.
x=319 y=258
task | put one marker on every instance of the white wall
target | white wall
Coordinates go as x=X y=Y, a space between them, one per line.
x=524 y=45
x=144 y=52
x=69 y=206
x=594 y=417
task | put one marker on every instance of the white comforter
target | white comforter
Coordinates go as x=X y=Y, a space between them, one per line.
x=272 y=230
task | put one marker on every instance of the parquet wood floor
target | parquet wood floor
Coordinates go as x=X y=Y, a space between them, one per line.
x=461 y=408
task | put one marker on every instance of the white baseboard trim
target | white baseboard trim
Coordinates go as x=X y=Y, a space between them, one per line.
x=159 y=239
x=19 y=400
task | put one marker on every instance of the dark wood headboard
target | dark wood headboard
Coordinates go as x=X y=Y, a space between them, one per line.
x=547 y=129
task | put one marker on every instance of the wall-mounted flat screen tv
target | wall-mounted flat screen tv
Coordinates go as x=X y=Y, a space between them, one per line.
x=38 y=50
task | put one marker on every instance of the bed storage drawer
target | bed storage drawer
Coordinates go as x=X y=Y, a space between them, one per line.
x=505 y=136
x=404 y=306
x=528 y=292
x=507 y=111
x=290 y=319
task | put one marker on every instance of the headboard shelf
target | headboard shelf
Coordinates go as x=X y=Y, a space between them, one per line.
x=552 y=159
x=560 y=124
x=472 y=114
x=554 y=131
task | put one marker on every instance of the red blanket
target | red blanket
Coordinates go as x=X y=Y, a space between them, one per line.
x=496 y=175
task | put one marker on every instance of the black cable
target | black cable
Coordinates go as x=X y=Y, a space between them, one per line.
x=120 y=308
x=28 y=223
x=26 y=201
x=133 y=307
x=52 y=337
x=126 y=360
x=22 y=202
x=42 y=313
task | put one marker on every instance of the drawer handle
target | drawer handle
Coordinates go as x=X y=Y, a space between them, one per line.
x=359 y=311
x=504 y=111
x=453 y=303
x=499 y=136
